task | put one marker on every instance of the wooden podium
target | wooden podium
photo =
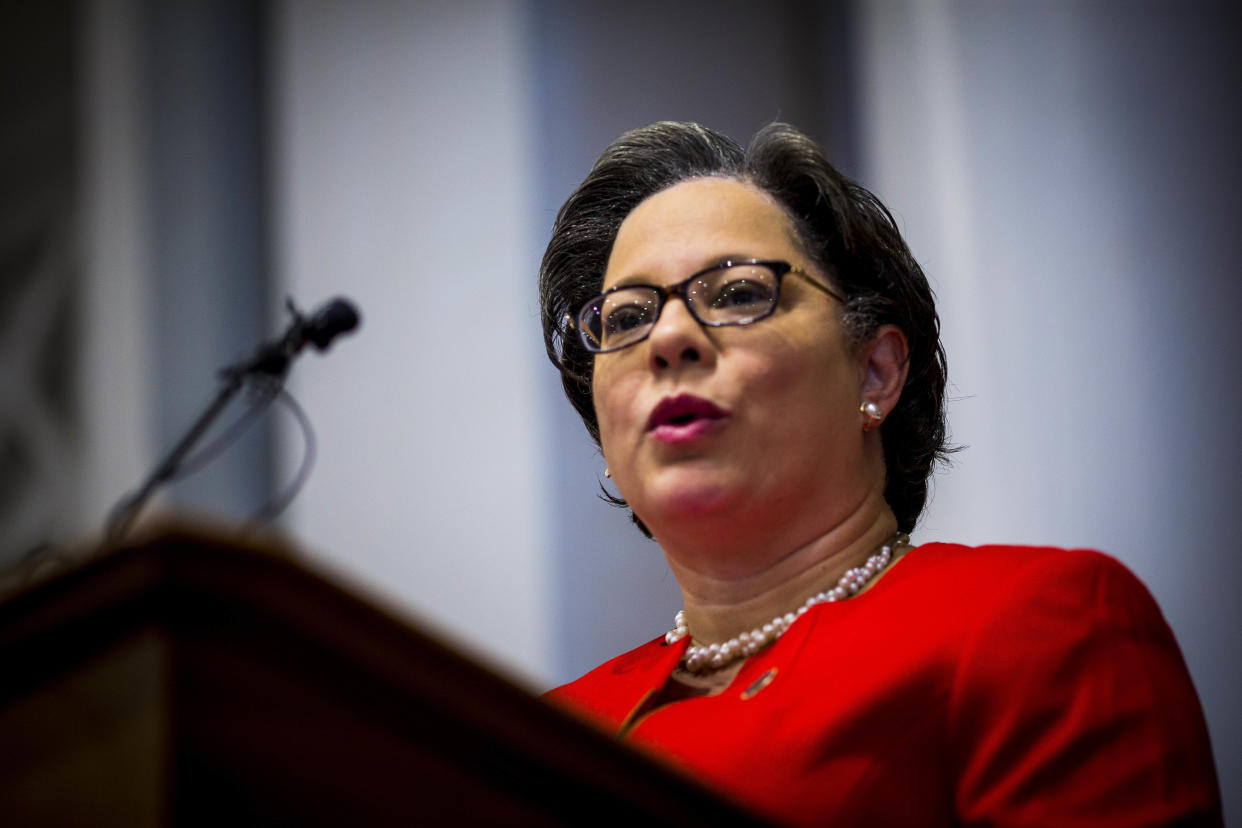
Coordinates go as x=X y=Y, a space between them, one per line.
x=189 y=680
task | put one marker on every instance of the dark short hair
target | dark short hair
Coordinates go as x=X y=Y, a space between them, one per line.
x=841 y=226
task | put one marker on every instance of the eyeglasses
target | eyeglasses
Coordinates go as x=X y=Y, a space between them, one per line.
x=729 y=293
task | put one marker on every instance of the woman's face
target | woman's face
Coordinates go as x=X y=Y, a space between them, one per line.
x=732 y=426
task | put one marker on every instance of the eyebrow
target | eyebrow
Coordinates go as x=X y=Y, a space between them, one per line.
x=628 y=281
x=714 y=261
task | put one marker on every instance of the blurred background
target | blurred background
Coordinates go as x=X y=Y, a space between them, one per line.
x=170 y=172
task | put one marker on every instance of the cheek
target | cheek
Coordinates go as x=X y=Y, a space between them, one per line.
x=613 y=394
x=815 y=383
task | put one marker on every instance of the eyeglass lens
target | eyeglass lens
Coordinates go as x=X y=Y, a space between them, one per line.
x=732 y=295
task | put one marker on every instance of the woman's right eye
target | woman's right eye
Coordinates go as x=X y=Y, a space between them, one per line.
x=624 y=318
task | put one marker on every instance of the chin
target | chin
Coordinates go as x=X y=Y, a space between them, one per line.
x=693 y=500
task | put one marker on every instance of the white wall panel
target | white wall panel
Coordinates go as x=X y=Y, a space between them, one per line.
x=114 y=372
x=402 y=159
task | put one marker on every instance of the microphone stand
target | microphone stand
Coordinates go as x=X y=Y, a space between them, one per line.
x=126 y=512
x=271 y=362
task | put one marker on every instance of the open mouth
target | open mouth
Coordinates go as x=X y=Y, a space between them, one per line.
x=683 y=416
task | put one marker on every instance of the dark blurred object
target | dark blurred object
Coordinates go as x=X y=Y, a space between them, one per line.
x=186 y=680
x=40 y=276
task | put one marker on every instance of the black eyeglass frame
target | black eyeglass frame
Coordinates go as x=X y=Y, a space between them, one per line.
x=779 y=270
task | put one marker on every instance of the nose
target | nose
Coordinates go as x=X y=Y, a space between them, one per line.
x=678 y=338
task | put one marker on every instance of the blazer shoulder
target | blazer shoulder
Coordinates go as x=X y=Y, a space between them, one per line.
x=998 y=564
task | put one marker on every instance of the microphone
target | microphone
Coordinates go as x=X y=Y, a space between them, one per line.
x=330 y=320
x=333 y=318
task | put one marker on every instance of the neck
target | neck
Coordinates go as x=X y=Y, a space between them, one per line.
x=723 y=598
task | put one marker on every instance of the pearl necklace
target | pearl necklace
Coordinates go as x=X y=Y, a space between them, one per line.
x=714 y=656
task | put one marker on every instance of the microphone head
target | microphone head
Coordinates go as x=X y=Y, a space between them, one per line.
x=331 y=320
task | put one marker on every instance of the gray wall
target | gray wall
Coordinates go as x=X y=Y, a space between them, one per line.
x=40 y=274
x=1068 y=176
x=201 y=83
x=1063 y=171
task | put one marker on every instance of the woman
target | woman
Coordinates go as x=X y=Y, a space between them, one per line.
x=750 y=342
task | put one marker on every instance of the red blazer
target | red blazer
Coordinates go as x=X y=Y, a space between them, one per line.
x=998 y=686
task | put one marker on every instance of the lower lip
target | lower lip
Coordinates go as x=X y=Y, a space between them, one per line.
x=676 y=434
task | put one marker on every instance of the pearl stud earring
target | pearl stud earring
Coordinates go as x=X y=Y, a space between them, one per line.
x=874 y=415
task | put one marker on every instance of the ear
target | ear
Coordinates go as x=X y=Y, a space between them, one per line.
x=884 y=362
